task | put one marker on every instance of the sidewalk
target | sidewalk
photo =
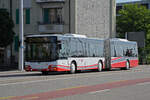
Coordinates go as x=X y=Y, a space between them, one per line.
x=13 y=69
x=8 y=67
x=16 y=73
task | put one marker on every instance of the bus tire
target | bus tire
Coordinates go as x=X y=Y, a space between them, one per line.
x=127 y=65
x=100 y=66
x=72 y=68
x=45 y=72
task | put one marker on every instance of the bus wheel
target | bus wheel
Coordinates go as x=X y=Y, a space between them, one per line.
x=44 y=72
x=100 y=66
x=72 y=68
x=127 y=65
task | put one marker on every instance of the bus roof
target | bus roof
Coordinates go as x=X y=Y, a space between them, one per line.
x=66 y=35
x=62 y=35
x=119 y=39
x=123 y=40
x=41 y=35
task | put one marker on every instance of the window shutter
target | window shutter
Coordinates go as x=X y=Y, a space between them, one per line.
x=46 y=19
x=28 y=16
x=16 y=45
x=17 y=16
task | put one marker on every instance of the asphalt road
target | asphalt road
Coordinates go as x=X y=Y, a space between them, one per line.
x=133 y=84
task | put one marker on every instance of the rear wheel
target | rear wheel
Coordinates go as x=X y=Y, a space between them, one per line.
x=72 y=68
x=100 y=66
x=127 y=65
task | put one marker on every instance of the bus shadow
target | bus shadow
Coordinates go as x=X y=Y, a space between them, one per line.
x=32 y=74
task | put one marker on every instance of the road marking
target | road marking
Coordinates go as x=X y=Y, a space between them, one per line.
x=87 y=89
x=146 y=83
x=31 y=98
x=6 y=98
x=72 y=87
x=105 y=90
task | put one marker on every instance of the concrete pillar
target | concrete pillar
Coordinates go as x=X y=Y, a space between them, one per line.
x=112 y=18
x=112 y=33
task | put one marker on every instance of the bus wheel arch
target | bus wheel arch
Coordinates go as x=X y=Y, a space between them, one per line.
x=100 y=65
x=73 y=67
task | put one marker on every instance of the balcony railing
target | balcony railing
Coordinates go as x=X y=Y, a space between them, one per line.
x=51 y=27
x=52 y=1
x=52 y=23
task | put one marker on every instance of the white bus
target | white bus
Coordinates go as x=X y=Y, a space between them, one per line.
x=48 y=53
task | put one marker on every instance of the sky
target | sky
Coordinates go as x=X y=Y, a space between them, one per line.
x=126 y=0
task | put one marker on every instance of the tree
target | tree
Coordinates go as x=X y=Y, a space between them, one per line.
x=133 y=18
x=6 y=28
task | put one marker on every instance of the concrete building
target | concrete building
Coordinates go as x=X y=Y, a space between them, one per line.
x=94 y=18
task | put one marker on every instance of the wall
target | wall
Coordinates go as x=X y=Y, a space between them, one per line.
x=93 y=18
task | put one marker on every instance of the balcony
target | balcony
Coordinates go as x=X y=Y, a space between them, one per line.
x=51 y=28
x=50 y=1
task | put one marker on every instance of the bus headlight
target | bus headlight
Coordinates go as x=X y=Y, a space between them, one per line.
x=28 y=68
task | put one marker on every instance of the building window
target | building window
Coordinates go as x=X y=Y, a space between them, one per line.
x=52 y=16
x=26 y=16
x=145 y=5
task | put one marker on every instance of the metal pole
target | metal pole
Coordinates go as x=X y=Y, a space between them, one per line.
x=21 y=38
x=10 y=5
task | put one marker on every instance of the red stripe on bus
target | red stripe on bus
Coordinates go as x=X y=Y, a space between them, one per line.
x=61 y=69
x=88 y=65
x=134 y=63
x=61 y=65
x=118 y=64
x=116 y=58
x=89 y=68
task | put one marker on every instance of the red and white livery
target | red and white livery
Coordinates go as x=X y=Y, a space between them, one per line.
x=48 y=53
x=124 y=53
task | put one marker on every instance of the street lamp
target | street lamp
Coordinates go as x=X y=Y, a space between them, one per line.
x=21 y=38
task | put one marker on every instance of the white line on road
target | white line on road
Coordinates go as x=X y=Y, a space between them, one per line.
x=106 y=90
x=146 y=83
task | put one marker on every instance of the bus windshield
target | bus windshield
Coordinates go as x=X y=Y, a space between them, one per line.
x=41 y=49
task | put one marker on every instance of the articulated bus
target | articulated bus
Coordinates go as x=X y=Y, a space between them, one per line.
x=72 y=53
